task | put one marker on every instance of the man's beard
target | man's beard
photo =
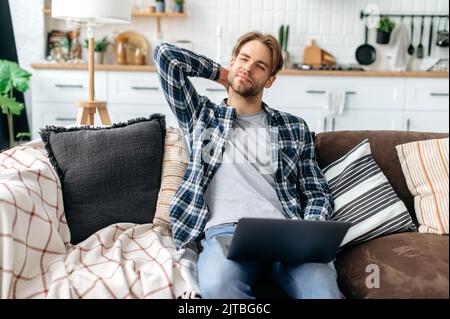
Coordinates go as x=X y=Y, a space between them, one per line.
x=245 y=91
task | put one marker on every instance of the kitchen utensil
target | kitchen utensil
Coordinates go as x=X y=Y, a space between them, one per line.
x=420 y=46
x=411 y=46
x=366 y=54
x=442 y=36
x=430 y=37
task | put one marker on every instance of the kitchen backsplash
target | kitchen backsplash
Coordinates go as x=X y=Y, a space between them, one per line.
x=334 y=24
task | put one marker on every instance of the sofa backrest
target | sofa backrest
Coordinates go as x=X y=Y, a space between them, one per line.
x=330 y=146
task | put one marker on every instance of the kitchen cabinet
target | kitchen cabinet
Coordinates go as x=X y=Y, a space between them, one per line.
x=129 y=95
x=366 y=120
x=372 y=103
x=426 y=105
x=427 y=94
x=312 y=92
x=426 y=121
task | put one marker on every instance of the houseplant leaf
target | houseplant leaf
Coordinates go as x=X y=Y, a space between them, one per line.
x=5 y=77
x=13 y=76
x=20 y=78
x=10 y=105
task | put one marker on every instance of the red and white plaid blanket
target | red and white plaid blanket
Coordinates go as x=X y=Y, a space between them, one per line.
x=38 y=261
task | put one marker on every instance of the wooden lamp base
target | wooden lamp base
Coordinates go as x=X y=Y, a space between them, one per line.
x=87 y=110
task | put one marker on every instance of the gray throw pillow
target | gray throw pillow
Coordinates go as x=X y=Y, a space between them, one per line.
x=108 y=175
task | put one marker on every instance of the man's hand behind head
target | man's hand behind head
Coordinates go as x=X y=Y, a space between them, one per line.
x=224 y=71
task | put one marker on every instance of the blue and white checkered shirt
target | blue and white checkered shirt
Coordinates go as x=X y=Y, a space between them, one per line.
x=299 y=182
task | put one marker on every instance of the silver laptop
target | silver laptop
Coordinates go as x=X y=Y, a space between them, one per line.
x=287 y=240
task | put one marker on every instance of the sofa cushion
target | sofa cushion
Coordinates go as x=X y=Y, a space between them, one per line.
x=332 y=145
x=363 y=196
x=425 y=167
x=411 y=265
x=108 y=175
x=176 y=159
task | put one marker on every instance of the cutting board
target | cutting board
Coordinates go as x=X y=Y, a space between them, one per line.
x=315 y=56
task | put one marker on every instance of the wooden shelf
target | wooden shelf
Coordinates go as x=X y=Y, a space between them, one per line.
x=152 y=68
x=145 y=14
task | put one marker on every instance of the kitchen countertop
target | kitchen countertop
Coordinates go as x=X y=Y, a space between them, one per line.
x=151 y=68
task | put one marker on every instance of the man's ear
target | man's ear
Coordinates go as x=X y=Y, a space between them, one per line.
x=232 y=61
x=270 y=81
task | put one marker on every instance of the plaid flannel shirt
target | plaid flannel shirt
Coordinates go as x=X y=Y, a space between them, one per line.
x=300 y=185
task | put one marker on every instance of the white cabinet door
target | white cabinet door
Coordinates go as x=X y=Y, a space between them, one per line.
x=361 y=92
x=135 y=88
x=66 y=86
x=366 y=120
x=58 y=114
x=214 y=91
x=427 y=94
x=426 y=121
x=315 y=119
x=125 y=112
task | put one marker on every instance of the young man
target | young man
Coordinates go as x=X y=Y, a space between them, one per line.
x=247 y=160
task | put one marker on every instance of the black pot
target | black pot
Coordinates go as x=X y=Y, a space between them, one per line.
x=179 y=8
x=383 y=37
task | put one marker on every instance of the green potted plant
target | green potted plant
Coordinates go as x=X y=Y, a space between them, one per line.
x=178 y=6
x=12 y=77
x=160 y=6
x=100 y=47
x=283 y=39
x=384 y=30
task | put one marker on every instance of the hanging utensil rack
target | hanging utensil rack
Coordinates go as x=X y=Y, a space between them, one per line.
x=401 y=15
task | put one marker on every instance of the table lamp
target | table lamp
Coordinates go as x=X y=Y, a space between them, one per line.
x=92 y=13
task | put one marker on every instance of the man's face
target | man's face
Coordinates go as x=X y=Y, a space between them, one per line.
x=250 y=70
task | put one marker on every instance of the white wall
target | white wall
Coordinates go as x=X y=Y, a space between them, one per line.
x=28 y=25
x=335 y=24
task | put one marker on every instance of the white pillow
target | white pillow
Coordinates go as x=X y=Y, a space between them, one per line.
x=363 y=196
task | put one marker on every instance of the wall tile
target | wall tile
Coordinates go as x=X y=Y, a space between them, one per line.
x=334 y=23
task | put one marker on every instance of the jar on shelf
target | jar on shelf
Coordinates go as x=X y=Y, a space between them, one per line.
x=139 y=57
x=122 y=43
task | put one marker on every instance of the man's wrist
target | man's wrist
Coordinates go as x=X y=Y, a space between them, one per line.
x=223 y=78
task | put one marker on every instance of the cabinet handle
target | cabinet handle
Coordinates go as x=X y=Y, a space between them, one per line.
x=438 y=94
x=215 y=90
x=145 y=88
x=324 y=92
x=69 y=86
x=408 y=125
x=325 y=123
x=333 y=124
x=315 y=92
x=66 y=119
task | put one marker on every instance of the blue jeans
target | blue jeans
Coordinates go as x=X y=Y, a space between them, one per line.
x=222 y=278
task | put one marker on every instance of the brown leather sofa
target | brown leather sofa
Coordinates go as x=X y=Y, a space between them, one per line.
x=411 y=265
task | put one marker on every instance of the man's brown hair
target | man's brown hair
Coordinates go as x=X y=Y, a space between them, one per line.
x=269 y=41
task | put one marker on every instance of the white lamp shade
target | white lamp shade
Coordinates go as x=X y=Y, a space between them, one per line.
x=92 y=11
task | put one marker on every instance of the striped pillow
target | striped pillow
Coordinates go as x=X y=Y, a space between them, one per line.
x=175 y=162
x=363 y=196
x=425 y=167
